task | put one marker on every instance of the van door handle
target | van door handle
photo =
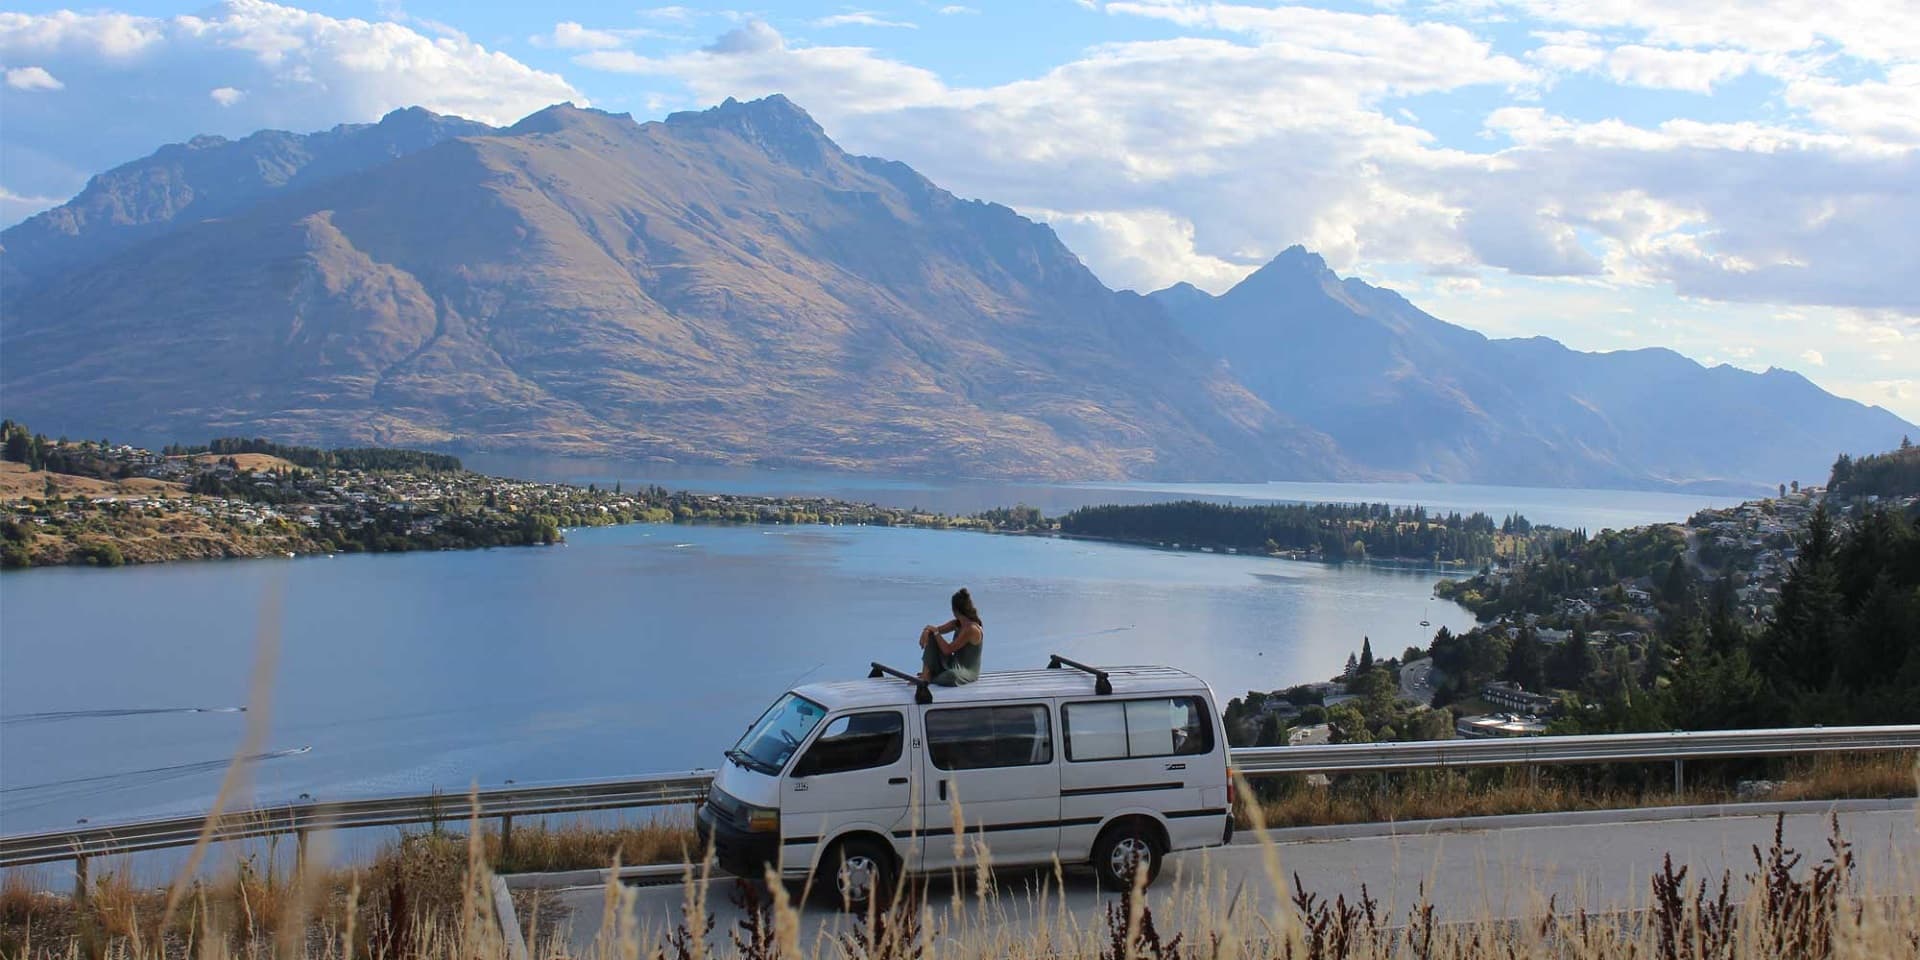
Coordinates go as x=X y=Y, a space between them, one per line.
x=897 y=781
x=943 y=789
x=1176 y=766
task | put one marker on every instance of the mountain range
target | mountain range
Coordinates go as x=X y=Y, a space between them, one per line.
x=729 y=285
x=1404 y=392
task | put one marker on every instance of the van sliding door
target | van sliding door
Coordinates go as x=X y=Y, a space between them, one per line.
x=993 y=772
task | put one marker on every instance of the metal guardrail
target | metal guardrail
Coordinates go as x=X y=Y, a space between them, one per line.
x=300 y=819
x=505 y=803
x=1601 y=748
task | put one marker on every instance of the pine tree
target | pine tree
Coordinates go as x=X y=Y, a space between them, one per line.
x=1526 y=662
x=1809 y=617
x=1366 y=655
x=1353 y=667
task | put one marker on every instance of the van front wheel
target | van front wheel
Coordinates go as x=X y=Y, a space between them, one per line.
x=859 y=872
x=1124 y=848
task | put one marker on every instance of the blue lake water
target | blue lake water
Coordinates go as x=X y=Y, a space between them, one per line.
x=627 y=650
x=1594 y=510
x=644 y=648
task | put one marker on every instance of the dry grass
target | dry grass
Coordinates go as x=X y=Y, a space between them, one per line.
x=19 y=483
x=579 y=845
x=1439 y=795
x=246 y=461
x=427 y=898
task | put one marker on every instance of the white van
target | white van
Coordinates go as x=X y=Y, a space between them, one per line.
x=855 y=782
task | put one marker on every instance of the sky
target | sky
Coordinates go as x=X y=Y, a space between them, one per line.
x=1738 y=180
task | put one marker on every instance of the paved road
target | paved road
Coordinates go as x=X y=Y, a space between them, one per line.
x=1415 y=681
x=1505 y=872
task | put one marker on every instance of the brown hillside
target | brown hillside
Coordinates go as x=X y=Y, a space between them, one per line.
x=726 y=285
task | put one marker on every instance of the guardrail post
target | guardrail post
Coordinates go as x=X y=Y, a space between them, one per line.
x=299 y=852
x=80 y=880
x=1679 y=776
x=506 y=837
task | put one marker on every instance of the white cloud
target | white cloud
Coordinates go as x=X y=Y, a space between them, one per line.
x=1813 y=358
x=862 y=18
x=1238 y=147
x=568 y=35
x=32 y=78
x=14 y=206
x=955 y=8
x=1150 y=248
x=144 y=81
x=1693 y=70
x=226 y=96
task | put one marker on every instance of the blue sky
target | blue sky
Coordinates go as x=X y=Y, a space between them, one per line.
x=1733 y=179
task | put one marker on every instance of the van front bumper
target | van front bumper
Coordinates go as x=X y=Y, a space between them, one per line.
x=738 y=852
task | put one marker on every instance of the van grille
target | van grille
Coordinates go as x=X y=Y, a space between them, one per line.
x=726 y=807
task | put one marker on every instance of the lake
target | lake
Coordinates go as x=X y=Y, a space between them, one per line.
x=1594 y=510
x=646 y=648
x=627 y=650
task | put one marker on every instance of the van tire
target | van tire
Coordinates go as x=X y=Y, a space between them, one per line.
x=1135 y=839
x=856 y=872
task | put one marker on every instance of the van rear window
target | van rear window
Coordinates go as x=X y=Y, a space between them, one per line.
x=972 y=738
x=1117 y=730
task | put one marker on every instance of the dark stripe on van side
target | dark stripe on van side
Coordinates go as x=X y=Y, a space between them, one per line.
x=791 y=841
x=1123 y=788
x=998 y=827
x=1209 y=812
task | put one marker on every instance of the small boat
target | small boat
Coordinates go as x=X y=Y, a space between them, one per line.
x=1423 y=618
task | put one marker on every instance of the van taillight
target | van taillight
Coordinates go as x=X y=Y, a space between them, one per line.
x=1233 y=790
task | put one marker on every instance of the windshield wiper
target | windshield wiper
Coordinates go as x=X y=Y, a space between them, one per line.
x=747 y=761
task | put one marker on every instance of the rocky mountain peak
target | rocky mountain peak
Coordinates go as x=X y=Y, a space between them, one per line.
x=775 y=123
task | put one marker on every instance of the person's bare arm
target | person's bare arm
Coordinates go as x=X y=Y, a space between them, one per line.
x=963 y=634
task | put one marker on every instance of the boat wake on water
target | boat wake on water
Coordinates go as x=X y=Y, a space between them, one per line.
x=53 y=716
x=33 y=795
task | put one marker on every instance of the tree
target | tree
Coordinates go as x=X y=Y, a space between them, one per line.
x=19 y=447
x=1807 y=620
x=1842 y=472
x=1353 y=667
x=1526 y=664
x=1783 y=489
x=1366 y=655
x=1572 y=662
x=1796 y=486
x=1678 y=588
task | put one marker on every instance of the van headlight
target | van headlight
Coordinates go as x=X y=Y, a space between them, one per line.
x=761 y=819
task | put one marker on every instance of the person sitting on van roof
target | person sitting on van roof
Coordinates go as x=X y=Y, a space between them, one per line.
x=950 y=663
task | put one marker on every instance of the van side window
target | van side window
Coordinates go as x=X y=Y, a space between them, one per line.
x=858 y=741
x=1161 y=727
x=970 y=738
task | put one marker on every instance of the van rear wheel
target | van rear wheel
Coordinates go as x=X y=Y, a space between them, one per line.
x=1124 y=848
x=859 y=872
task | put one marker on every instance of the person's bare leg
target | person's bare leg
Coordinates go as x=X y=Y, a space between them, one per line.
x=927 y=636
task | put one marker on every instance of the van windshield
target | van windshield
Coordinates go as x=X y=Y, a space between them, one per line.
x=771 y=741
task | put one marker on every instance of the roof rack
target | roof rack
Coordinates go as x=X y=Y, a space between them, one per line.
x=1101 y=685
x=921 y=694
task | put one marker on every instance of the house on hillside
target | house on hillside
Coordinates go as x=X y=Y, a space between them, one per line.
x=1502 y=693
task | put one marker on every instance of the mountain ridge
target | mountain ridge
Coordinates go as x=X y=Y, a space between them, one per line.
x=727 y=286
x=1400 y=389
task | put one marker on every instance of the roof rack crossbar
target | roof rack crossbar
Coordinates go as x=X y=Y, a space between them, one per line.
x=1101 y=685
x=921 y=694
